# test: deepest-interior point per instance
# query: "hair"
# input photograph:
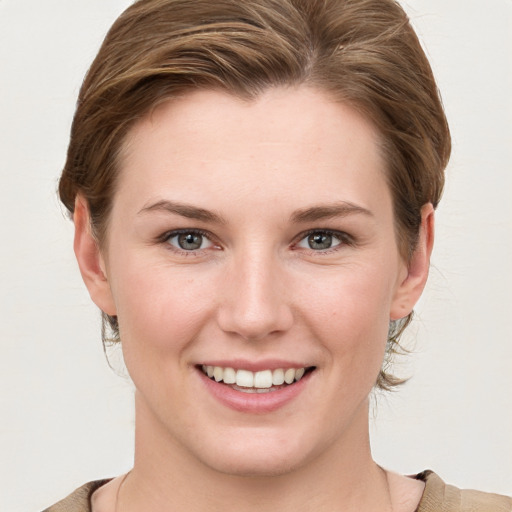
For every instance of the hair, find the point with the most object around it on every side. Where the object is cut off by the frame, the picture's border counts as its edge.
(363, 53)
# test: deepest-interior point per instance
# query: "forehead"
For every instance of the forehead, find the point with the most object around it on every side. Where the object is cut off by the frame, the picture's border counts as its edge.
(287, 139)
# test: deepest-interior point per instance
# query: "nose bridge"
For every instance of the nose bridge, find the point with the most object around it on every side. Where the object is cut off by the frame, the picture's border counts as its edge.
(256, 302)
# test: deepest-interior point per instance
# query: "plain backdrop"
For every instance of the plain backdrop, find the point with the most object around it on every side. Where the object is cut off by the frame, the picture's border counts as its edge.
(67, 418)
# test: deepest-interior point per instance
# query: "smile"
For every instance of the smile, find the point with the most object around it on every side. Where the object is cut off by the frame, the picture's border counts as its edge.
(247, 381)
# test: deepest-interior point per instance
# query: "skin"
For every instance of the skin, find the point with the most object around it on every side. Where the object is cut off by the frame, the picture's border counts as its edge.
(267, 171)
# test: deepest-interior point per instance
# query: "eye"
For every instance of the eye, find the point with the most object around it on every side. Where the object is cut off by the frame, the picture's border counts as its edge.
(189, 240)
(321, 240)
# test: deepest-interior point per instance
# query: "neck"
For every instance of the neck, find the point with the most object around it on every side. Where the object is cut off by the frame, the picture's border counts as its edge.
(344, 477)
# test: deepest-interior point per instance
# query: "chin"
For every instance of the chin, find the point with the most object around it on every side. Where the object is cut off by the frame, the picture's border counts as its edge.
(255, 465)
(254, 452)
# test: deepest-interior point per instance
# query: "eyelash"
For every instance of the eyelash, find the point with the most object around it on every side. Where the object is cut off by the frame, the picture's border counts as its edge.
(344, 240)
(167, 236)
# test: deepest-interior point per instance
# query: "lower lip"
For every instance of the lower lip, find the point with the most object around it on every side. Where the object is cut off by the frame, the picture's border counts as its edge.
(256, 403)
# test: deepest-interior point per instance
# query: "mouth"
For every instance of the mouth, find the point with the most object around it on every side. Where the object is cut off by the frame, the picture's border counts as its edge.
(264, 381)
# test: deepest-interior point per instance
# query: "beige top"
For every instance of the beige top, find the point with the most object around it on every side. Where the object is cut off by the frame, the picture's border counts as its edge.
(440, 497)
(437, 497)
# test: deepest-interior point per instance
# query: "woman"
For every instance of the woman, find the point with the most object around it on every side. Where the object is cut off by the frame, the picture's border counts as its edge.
(253, 187)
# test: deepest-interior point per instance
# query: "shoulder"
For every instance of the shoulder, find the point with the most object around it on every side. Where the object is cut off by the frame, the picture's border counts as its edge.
(440, 497)
(79, 500)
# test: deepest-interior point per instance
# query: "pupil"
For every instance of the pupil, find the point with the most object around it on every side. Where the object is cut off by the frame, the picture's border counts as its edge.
(320, 241)
(190, 241)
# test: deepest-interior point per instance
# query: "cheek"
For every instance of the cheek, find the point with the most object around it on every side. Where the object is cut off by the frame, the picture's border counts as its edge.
(351, 315)
(161, 314)
(158, 309)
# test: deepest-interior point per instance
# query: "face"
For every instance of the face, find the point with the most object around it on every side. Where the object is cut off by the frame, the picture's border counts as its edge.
(248, 240)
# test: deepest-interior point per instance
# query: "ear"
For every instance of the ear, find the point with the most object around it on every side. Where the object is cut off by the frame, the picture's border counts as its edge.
(411, 288)
(90, 260)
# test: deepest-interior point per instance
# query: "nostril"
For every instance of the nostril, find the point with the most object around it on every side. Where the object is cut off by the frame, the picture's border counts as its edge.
(255, 323)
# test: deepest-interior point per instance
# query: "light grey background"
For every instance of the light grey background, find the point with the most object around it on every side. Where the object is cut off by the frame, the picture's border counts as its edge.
(66, 418)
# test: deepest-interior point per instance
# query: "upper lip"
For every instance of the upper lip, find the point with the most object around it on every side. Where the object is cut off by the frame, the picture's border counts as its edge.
(255, 366)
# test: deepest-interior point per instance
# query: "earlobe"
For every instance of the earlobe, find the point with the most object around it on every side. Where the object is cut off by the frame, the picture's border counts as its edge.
(90, 260)
(411, 288)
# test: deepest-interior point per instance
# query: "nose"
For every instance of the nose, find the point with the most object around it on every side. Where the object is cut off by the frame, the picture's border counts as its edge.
(255, 301)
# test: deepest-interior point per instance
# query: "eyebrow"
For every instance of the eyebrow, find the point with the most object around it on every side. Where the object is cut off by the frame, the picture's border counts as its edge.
(185, 210)
(329, 211)
(310, 214)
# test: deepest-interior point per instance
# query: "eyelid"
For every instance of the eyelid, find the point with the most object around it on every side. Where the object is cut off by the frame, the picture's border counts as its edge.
(165, 237)
(344, 239)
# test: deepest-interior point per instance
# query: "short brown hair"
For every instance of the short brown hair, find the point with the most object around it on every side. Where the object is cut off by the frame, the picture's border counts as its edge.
(362, 52)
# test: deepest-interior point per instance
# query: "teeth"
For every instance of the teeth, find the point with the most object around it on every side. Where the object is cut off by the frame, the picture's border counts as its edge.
(245, 379)
(218, 373)
(289, 376)
(278, 377)
(261, 381)
(229, 376)
(299, 373)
